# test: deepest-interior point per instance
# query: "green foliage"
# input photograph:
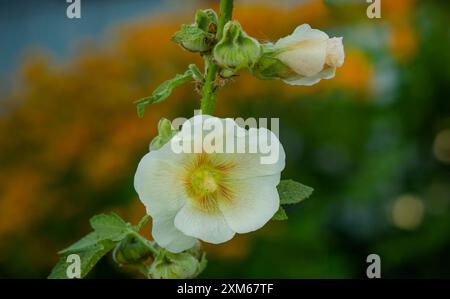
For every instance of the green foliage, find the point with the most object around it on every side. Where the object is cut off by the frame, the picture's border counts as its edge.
(110, 227)
(293, 192)
(163, 91)
(108, 231)
(280, 214)
(87, 241)
(196, 73)
(89, 256)
(290, 192)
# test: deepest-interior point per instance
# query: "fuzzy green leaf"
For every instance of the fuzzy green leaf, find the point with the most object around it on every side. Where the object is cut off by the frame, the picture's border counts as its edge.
(89, 256)
(293, 192)
(87, 241)
(204, 19)
(108, 231)
(110, 227)
(193, 39)
(280, 214)
(196, 73)
(163, 91)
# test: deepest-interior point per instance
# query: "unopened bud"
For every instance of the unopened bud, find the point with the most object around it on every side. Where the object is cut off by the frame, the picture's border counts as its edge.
(174, 266)
(206, 20)
(200, 35)
(236, 50)
(130, 251)
(302, 58)
(165, 133)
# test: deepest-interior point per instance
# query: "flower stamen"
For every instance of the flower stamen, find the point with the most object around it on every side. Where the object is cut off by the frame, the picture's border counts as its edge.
(206, 183)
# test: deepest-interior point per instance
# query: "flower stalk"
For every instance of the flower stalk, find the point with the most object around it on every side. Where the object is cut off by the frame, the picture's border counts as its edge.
(209, 90)
(146, 243)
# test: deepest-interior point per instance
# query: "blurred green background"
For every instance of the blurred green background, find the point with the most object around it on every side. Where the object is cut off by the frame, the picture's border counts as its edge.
(374, 141)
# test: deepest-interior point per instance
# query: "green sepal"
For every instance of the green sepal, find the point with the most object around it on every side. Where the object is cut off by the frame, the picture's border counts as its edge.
(165, 133)
(236, 50)
(200, 35)
(196, 74)
(131, 250)
(269, 67)
(169, 265)
(206, 20)
(193, 39)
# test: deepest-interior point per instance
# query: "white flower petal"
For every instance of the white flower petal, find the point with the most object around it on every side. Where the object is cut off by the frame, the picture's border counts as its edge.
(335, 52)
(310, 53)
(251, 178)
(268, 159)
(193, 136)
(158, 182)
(304, 81)
(302, 32)
(254, 203)
(327, 73)
(208, 227)
(305, 57)
(169, 237)
(305, 31)
(304, 51)
(193, 126)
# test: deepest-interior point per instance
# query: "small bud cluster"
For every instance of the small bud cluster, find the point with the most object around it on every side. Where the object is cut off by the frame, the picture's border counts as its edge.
(187, 264)
(302, 58)
(200, 35)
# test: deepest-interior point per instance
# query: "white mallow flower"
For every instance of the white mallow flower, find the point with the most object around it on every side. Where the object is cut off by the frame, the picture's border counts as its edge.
(311, 54)
(208, 195)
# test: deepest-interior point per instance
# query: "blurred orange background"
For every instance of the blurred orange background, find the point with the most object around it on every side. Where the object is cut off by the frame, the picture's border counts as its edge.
(70, 141)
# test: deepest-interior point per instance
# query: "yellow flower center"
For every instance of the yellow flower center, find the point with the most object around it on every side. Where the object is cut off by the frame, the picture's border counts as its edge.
(205, 180)
(206, 183)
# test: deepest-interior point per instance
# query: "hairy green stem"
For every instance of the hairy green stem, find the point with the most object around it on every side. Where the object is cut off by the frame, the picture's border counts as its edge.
(146, 243)
(209, 90)
(142, 222)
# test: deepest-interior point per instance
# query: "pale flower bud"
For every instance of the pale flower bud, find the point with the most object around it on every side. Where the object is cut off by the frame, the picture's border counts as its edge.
(302, 58)
(335, 52)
